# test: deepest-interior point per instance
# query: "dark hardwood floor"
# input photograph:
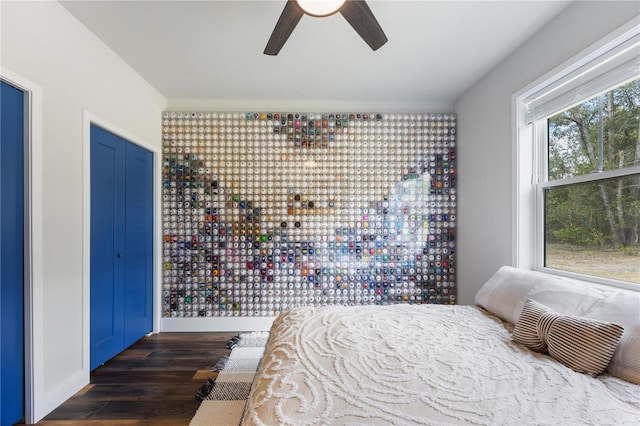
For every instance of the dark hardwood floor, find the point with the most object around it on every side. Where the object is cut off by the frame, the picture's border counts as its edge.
(153, 382)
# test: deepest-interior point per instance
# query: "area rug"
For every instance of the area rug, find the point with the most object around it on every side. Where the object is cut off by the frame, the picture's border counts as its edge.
(224, 399)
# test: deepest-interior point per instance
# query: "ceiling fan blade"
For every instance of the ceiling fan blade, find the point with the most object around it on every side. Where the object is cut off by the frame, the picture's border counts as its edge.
(358, 14)
(288, 20)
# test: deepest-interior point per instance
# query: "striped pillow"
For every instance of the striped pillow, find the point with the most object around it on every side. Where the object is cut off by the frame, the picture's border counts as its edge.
(582, 344)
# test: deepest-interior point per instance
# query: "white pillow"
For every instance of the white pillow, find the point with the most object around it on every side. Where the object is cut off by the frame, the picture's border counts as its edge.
(506, 291)
(623, 307)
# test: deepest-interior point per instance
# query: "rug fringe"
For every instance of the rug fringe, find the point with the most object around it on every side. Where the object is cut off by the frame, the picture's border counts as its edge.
(220, 364)
(249, 339)
(204, 390)
(233, 342)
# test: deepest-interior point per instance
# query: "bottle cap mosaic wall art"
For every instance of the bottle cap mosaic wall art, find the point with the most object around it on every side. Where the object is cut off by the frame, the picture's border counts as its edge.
(265, 211)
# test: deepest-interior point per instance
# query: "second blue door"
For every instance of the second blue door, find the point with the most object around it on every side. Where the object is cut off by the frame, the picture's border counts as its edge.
(121, 244)
(11, 254)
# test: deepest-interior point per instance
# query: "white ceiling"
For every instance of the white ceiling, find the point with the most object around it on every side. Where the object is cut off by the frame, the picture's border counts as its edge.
(200, 52)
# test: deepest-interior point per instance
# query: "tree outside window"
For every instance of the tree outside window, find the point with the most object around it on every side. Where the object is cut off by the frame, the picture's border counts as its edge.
(592, 191)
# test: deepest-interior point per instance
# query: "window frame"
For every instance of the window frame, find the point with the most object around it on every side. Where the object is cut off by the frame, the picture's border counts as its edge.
(530, 155)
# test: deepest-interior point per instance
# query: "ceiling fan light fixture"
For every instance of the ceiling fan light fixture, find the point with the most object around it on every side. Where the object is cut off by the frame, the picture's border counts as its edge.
(356, 13)
(320, 8)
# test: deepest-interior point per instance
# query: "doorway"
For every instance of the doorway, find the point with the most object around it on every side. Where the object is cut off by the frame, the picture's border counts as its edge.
(12, 231)
(121, 246)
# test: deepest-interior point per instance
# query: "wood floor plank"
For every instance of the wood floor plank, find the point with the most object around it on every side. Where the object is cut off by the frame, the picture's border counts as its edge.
(141, 376)
(119, 422)
(153, 382)
(201, 376)
(76, 409)
(118, 392)
(135, 354)
(148, 363)
(154, 409)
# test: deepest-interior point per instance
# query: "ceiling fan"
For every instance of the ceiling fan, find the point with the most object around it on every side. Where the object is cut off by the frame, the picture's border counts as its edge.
(356, 12)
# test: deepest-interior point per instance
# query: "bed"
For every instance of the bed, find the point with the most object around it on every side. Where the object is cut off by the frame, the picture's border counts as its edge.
(435, 364)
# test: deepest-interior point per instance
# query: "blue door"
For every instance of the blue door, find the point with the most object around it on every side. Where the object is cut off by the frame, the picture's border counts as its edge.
(138, 263)
(11, 254)
(121, 244)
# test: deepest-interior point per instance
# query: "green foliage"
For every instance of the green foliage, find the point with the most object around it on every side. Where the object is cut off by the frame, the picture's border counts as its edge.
(630, 250)
(596, 213)
(577, 236)
(573, 216)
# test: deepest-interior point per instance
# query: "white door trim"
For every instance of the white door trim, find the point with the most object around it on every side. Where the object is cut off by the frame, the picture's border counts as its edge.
(33, 246)
(88, 119)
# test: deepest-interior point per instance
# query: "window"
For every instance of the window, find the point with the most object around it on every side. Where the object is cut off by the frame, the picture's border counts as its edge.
(579, 141)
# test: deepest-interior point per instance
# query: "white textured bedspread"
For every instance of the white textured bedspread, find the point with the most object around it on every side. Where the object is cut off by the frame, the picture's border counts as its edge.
(421, 364)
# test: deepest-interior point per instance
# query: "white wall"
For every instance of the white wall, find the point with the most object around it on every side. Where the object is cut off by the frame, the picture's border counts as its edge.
(44, 44)
(485, 141)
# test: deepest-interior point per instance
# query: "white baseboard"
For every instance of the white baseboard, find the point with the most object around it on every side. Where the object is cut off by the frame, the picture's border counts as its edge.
(221, 324)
